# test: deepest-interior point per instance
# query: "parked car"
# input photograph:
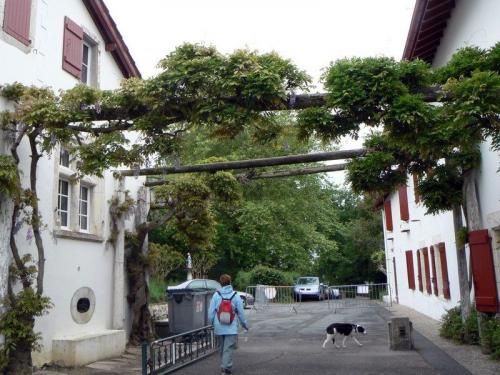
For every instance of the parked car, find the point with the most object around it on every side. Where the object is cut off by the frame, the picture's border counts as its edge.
(309, 287)
(207, 284)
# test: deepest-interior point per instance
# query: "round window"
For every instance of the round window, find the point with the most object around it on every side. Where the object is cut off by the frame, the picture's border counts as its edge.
(83, 305)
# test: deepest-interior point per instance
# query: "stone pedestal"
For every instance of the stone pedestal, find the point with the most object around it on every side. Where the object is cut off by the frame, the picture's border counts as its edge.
(400, 334)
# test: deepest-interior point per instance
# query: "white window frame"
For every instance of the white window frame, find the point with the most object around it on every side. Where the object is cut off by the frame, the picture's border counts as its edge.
(87, 214)
(68, 197)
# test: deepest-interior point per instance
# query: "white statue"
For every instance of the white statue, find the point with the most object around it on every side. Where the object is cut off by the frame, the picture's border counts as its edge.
(189, 261)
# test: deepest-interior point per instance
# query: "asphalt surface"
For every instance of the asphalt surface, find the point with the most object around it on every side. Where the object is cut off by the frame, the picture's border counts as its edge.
(282, 342)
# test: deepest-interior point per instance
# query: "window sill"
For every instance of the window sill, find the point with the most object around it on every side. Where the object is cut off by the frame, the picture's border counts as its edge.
(80, 236)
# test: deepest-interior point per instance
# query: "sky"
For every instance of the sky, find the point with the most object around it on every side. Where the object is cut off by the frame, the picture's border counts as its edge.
(312, 33)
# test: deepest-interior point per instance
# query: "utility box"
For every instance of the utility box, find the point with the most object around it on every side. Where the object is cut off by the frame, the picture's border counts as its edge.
(187, 310)
(400, 334)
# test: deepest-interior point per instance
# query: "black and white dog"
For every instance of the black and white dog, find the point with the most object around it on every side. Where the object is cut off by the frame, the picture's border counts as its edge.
(343, 329)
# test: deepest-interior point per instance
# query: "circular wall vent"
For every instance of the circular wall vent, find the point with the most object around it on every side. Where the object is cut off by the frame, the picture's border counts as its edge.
(83, 305)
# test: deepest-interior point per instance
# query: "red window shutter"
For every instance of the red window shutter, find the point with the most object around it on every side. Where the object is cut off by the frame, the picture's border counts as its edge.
(403, 203)
(419, 265)
(444, 270)
(388, 214)
(409, 269)
(427, 271)
(72, 48)
(434, 273)
(415, 191)
(483, 271)
(16, 21)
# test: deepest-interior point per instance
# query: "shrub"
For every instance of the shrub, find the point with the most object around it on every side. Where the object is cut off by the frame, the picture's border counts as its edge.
(453, 328)
(452, 325)
(269, 276)
(242, 280)
(472, 328)
(490, 337)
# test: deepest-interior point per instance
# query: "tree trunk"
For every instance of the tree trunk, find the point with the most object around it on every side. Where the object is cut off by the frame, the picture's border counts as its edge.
(138, 297)
(474, 222)
(471, 201)
(463, 274)
(20, 361)
(137, 271)
(6, 210)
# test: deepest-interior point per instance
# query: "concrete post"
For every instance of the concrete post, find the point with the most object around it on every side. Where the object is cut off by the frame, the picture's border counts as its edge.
(400, 334)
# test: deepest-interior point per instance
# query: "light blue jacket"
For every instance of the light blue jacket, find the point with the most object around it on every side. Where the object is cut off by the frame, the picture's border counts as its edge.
(226, 329)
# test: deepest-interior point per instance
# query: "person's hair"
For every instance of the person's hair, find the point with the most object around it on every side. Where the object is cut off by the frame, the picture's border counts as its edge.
(225, 280)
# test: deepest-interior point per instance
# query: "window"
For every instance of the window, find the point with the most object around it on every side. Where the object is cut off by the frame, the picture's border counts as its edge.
(388, 215)
(410, 270)
(64, 157)
(63, 203)
(444, 271)
(83, 212)
(211, 284)
(79, 53)
(86, 63)
(425, 254)
(16, 21)
(403, 203)
(72, 48)
(434, 277)
(419, 266)
(198, 284)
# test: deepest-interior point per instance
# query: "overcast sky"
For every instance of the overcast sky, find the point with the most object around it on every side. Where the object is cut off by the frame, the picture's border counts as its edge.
(312, 33)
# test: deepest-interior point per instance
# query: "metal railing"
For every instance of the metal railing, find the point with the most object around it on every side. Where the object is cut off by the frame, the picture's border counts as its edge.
(169, 354)
(332, 297)
(360, 295)
(267, 296)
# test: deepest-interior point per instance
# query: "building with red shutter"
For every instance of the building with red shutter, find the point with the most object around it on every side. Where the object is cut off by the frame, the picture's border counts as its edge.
(60, 44)
(420, 249)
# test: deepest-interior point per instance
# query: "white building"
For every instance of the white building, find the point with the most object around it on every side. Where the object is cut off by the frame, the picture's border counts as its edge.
(420, 249)
(60, 44)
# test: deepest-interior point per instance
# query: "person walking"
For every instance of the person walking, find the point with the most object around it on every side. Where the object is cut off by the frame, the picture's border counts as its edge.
(225, 306)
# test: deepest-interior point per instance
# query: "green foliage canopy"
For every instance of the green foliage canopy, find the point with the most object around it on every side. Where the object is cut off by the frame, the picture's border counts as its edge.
(436, 141)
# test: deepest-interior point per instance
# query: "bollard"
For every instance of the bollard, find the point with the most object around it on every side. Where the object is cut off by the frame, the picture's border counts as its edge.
(400, 334)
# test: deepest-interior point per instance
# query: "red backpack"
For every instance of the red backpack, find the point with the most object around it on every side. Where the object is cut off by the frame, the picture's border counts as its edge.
(225, 311)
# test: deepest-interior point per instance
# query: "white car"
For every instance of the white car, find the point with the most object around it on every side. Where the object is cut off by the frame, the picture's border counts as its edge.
(309, 287)
(207, 284)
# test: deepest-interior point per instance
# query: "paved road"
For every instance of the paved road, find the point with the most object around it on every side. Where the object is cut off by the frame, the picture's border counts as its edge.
(282, 342)
(286, 343)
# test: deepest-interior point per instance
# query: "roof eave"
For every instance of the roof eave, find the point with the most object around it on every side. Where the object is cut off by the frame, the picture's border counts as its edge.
(428, 23)
(112, 37)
